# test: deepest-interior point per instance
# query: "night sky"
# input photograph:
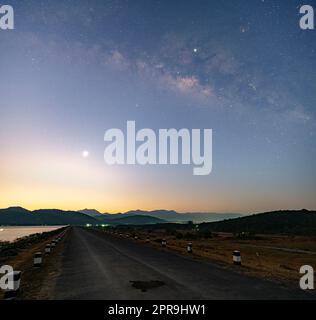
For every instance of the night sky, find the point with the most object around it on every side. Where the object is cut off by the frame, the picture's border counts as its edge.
(72, 69)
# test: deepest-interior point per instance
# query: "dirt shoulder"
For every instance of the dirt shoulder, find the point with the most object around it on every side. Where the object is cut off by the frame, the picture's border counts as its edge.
(37, 283)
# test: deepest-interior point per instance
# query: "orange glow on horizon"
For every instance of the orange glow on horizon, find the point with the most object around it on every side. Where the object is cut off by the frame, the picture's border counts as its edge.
(64, 180)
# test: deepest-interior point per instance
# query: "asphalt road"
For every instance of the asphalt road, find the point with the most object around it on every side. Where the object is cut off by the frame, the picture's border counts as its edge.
(100, 266)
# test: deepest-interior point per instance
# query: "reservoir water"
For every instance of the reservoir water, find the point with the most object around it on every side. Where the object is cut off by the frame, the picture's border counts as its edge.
(13, 233)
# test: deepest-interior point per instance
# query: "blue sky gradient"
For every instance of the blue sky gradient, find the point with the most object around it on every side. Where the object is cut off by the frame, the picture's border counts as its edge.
(77, 68)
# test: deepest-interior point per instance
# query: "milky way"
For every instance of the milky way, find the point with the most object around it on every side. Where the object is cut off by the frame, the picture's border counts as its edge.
(77, 68)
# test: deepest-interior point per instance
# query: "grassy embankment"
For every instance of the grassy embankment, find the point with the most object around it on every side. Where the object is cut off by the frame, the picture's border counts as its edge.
(19, 255)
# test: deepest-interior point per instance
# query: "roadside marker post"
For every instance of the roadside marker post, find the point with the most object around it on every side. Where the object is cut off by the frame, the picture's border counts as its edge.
(237, 258)
(164, 242)
(12, 293)
(38, 259)
(189, 247)
(47, 249)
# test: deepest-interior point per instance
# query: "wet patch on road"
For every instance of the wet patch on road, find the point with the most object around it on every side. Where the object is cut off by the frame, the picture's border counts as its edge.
(146, 285)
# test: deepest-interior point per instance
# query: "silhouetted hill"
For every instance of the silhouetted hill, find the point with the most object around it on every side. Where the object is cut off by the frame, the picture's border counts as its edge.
(161, 214)
(137, 220)
(294, 222)
(17, 216)
(92, 213)
(167, 215)
(199, 217)
(17, 209)
(173, 216)
(59, 217)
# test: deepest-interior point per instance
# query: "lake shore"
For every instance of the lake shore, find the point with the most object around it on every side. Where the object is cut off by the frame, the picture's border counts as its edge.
(13, 233)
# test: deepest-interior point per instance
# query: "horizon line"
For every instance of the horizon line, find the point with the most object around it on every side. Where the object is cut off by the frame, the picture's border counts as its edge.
(151, 210)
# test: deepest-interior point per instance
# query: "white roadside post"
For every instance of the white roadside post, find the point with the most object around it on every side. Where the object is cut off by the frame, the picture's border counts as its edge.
(164, 242)
(38, 259)
(237, 257)
(10, 294)
(47, 249)
(189, 247)
(52, 245)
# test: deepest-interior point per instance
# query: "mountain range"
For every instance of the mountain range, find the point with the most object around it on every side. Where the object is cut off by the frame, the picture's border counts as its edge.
(19, 216)
(293, 222)
(167, 215)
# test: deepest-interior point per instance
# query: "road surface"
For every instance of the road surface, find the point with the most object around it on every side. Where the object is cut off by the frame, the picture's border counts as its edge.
(100, 266)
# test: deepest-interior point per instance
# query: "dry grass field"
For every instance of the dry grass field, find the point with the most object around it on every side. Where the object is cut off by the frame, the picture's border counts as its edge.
(274, 257)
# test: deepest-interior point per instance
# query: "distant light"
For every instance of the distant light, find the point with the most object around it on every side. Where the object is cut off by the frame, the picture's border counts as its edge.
(195, 50)
(1, 230)
(88, 225)
(85, 154)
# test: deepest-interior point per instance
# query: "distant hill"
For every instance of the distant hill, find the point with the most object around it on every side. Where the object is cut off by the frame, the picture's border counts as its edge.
(198, 217)
(293, 222)
(136, 220)
(91, 212)
(167, 215)
(17, 216)
(157, 213)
